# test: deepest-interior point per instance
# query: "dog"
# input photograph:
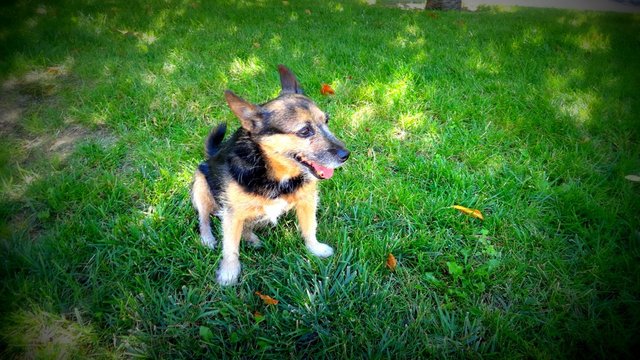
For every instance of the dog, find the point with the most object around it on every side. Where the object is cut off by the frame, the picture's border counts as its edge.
(270, 165)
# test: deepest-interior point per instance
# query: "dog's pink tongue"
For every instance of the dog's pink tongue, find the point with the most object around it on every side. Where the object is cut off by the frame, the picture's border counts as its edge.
(324, 172)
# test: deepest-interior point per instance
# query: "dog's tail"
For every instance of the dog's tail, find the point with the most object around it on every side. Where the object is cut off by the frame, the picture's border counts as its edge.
(212, 145)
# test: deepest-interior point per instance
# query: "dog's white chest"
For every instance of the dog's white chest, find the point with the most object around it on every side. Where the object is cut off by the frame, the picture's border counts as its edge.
(274, 209)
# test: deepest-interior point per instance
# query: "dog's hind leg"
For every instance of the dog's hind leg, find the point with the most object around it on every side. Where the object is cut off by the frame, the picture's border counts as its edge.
(205, 205)
(249, 236)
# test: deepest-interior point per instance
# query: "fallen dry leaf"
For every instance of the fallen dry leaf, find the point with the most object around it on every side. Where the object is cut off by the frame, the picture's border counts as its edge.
(258, 317)
(471, 212)
(392, 262)
(268, 300)
(326, 90)
(634, 178)
(307, 11)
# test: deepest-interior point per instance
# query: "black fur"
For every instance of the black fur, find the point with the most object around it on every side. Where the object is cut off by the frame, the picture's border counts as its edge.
(212, 145)
(248, 167)
(241, 156)
(214, 181)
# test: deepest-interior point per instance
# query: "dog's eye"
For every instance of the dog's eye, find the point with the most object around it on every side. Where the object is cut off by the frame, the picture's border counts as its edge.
(305, 132)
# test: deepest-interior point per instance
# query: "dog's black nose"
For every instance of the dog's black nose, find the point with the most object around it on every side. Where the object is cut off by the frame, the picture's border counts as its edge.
(343, 154)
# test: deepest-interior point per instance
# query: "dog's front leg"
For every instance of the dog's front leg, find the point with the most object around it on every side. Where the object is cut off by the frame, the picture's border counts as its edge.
(306, 211)
(230, 265)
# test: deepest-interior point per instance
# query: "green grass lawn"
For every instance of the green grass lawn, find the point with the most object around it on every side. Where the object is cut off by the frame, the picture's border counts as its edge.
(530, 116)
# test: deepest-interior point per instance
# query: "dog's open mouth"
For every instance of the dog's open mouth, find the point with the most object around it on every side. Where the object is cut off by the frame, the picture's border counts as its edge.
(316, 169)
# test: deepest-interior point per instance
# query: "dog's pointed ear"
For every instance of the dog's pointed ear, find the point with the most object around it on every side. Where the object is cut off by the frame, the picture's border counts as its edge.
(290, 84)
(250, 115)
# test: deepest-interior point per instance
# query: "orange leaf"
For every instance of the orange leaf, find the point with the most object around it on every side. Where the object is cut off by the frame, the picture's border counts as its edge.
(392, 262)
(471, 212)
(268, 300)
(257, 314)
(326, 90)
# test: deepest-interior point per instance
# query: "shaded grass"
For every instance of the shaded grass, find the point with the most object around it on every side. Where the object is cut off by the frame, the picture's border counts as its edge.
(528, 116)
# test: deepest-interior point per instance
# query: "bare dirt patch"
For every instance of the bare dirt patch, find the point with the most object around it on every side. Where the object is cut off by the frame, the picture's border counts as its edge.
(25, 154)
(19, 96)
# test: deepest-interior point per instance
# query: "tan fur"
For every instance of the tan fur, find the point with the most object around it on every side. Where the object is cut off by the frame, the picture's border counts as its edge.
(201, 192)
(281, 169)
(205, 204)
(252, 207)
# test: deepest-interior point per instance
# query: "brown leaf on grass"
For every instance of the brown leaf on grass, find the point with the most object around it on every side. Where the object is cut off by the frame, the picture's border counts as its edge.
(471, 212)
(307, 11)
(268, 300)
(391, 262)
(256, 45)
(634, 178)
(258, 317)
(326, 90)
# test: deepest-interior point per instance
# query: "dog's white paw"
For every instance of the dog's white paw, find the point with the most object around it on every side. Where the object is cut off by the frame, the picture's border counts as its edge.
(321, 250)
(229, 272)
(209, 241)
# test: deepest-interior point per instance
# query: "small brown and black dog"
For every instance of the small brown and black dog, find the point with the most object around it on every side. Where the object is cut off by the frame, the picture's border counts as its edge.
(269, 166)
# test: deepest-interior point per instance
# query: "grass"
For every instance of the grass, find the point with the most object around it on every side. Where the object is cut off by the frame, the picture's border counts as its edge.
(528, 115)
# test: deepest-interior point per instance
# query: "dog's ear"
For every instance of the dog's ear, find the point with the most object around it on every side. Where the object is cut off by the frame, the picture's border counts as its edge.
(290, 84)
(250, 115)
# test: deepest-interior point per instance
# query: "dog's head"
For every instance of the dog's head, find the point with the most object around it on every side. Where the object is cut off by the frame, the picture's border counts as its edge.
(291, 128)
